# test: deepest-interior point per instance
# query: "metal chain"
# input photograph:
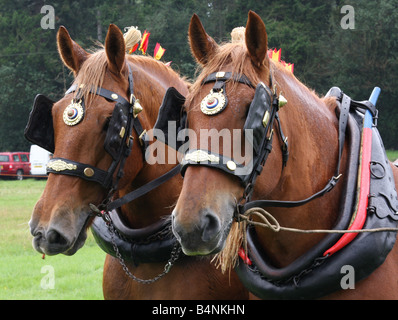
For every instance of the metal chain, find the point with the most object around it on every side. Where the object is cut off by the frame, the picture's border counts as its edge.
(175, 254)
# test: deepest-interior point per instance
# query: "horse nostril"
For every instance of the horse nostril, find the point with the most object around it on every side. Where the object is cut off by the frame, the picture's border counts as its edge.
(53, 237)
(211, 226)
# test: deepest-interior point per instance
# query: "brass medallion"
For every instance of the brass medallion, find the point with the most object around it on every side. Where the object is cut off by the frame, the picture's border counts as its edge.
(73, 113)
(213, 103)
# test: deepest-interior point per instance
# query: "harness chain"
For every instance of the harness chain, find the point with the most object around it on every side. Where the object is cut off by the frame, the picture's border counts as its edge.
(175, 254)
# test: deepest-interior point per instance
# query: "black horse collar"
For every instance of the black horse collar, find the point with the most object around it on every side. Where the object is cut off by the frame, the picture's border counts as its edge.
(315, 273)
(151, 244)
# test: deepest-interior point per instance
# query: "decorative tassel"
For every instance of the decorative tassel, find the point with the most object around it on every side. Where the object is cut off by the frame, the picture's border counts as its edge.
(228, 257)
(131, 37)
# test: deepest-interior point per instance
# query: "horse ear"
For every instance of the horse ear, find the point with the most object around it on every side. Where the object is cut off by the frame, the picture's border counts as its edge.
(202, 45)
(256, 39)
(115, 49)
(71, 53)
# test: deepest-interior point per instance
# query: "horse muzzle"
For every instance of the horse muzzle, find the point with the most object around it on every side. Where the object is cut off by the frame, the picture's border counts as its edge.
(207, 236)
(57, 238)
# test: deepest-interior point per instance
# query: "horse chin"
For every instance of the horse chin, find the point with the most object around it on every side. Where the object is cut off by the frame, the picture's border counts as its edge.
(80, 241)
(217, 244)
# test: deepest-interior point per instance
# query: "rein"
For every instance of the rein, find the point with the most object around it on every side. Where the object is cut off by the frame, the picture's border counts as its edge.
(269, 221)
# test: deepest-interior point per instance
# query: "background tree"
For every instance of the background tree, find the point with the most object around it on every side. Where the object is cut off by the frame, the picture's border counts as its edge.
(309, 33)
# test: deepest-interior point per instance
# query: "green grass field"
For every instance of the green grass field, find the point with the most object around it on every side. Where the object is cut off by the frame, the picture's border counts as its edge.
(23, 272)
(392, 154)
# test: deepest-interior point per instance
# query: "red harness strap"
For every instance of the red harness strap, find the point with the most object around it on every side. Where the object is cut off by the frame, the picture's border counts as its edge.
(364, 184)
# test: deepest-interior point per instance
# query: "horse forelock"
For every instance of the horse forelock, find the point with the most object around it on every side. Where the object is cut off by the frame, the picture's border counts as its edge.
(231, 57)
(93, 72)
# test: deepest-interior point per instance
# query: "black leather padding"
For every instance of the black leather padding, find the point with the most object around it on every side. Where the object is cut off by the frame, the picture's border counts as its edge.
(171, 110)
(114, 139)
(39, 129)
(133, 244)
(260, 104)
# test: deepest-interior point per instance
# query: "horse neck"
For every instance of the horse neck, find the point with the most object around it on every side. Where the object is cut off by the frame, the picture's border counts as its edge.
(151, 80)
(311, 127)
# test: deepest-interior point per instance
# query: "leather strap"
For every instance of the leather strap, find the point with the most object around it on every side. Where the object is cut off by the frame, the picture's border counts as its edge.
(345, 103)
(77, 169)
(144, 189)
(224, 76)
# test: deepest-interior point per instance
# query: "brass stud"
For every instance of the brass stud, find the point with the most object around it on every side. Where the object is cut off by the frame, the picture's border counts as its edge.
(266, 118)
(122, 132)
(282, 101)
(137, 108)
(88, 172)
(114, 96)
(231, 165)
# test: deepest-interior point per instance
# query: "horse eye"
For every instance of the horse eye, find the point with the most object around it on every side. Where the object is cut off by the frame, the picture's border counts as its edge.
(247, 110)
(106, 125)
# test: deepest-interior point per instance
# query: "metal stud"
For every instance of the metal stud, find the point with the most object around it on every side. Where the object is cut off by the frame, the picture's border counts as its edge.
(282, 101)
(266, 118)
(137, 108)
(231, 165)
(88, 172)
(122, 132)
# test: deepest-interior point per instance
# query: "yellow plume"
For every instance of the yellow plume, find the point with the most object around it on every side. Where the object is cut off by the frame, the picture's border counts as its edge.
(131, 37)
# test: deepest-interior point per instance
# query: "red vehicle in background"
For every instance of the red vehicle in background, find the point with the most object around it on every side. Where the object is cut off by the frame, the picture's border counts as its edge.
(14, 164)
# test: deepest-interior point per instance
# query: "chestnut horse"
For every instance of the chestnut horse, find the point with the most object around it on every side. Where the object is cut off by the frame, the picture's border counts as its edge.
(207, 205)
(62, 215)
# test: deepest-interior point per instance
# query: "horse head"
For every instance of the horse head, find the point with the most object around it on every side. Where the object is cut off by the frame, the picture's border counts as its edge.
(219, 103)
(92, 136)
